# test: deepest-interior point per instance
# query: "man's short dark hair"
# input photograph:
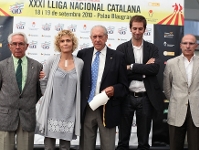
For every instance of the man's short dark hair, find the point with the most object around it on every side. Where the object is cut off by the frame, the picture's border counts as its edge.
(138, 18)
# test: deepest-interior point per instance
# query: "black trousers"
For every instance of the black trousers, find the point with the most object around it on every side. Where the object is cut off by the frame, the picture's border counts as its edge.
(177, 134)
(144, 111)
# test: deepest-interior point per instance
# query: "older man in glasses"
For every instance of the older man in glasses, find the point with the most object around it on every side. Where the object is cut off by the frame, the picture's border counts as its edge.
(19, 92)
(181, 87)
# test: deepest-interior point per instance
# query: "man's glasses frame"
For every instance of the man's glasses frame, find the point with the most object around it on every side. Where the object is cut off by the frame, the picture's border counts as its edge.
(190, 43)
(20, 44)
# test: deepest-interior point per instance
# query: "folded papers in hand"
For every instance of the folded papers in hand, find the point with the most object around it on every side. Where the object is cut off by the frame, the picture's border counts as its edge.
(98, 100)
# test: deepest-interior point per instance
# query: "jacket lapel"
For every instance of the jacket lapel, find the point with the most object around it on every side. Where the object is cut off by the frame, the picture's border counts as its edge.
(30, 71)
(145, 53)
(77, 67)
(88, 62)
(108, 63)
(130, 53)
(182, 68)
(195, 68)
(11, 72)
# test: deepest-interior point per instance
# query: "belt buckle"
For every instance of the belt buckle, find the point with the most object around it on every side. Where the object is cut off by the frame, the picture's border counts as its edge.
(135, 95)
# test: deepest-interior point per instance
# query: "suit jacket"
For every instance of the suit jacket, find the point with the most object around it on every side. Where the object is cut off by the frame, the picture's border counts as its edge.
(178, 92)
(146, 73)
(15, 106)
(114, 75)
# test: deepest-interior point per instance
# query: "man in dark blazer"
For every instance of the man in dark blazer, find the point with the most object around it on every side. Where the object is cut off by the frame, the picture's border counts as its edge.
(112, 78)
(145, 95)
(17, 101)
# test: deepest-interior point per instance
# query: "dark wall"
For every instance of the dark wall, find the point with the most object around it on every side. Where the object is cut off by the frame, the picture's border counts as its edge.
(6, 27)
(167, 39)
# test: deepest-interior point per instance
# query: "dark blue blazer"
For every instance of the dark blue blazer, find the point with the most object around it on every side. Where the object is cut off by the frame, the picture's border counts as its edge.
(115, 75)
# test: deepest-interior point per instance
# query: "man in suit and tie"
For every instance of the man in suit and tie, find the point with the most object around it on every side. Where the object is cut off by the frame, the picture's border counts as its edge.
(181, 88)
(19, 92)
(111, 78)
(145, 95)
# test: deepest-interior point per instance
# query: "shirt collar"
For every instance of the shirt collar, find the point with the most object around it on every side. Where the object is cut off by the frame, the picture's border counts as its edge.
(141, 46)
(103, 51)
(192, 58)
(16, 59)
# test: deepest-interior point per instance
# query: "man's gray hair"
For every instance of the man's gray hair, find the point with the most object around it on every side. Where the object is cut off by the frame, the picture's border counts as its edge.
(17, 33)
(101, 26)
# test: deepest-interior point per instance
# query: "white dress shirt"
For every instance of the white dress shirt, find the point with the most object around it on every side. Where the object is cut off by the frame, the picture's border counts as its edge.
(102, 59)
(137, 86)
(189, 68)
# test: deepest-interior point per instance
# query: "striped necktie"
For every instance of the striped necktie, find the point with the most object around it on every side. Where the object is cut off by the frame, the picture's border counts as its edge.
(19, 75)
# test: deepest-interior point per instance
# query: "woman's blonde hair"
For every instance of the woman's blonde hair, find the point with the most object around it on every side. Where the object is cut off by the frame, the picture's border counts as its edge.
(68, 33)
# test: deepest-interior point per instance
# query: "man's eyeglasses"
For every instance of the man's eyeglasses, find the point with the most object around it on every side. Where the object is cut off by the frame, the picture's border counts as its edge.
(190, 43)
(14, 44)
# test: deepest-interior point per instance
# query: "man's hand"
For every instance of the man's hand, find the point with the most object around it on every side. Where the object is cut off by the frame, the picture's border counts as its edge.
(128, 67)
(151, 61)
(109, 91)
(41, 75)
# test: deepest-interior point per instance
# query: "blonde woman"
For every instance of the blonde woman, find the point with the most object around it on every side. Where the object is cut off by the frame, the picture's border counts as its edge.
(60, 86)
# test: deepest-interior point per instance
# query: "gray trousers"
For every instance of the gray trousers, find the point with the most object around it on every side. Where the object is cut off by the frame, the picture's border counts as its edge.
(50, 144)
(93, 122)
(177, 134)
(24, 140)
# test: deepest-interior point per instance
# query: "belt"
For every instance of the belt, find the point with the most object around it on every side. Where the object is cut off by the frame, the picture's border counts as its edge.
(139, 94)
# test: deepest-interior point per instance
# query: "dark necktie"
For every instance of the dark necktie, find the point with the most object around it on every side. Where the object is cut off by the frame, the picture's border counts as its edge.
(19, 75)
(94, 74)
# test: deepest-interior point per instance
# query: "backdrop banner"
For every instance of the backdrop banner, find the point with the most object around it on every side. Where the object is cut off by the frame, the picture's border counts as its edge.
(41, 20)
(167, 39)
(6, 27)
